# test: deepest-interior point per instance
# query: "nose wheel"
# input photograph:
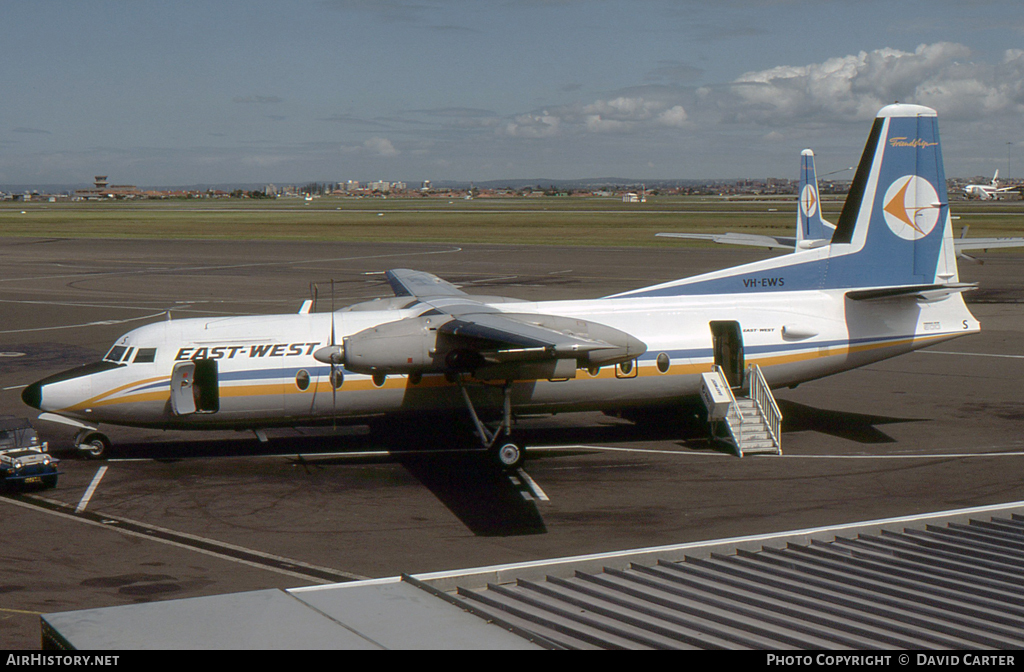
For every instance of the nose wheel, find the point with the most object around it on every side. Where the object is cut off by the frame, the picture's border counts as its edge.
(95, 445)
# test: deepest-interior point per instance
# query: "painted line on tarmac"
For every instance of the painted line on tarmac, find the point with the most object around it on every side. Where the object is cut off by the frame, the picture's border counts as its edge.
(969, 354)
(688, 453)
(228, 267)
(91, 490)
(218, 549)
(21, 611)
(923, 456)
(618, 449)
(99, 323)
(532, 485)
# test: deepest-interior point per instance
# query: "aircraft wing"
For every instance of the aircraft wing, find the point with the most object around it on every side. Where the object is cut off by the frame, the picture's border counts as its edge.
(515, 336)
(461, 333)
(775, 242)
(422, 285)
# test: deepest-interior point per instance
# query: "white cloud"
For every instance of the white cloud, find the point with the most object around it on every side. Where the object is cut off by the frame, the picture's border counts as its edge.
(623, 108)
(855, 87)
(674, 116)
(619, 114)
(380, 147)
(543, 125)
(595, 123)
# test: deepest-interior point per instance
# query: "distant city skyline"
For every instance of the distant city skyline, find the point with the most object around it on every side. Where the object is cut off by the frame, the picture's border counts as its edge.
(456, 91)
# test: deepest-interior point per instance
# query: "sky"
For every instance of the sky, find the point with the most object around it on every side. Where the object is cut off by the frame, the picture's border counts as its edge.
(185, 92)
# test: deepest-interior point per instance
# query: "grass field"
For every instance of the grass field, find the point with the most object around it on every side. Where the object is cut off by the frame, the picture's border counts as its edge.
(536, 220)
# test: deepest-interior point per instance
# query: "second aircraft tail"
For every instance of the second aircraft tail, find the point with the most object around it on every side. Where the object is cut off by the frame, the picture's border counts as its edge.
(809, 224)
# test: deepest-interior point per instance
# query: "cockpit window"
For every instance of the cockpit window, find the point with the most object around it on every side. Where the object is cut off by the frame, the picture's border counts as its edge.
(145, 356)
(115, 354)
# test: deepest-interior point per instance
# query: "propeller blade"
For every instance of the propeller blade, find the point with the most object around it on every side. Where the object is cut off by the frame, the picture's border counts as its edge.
(334, 355)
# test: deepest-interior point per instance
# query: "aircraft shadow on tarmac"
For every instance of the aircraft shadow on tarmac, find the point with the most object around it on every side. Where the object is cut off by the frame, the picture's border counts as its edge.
(851, 426)
(487, 501)
(465, 480)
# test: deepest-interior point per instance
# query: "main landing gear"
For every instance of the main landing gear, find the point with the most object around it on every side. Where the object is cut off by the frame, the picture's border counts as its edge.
(506, 452)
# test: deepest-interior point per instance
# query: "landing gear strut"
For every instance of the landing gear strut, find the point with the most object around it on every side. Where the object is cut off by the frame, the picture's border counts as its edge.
(508, 453)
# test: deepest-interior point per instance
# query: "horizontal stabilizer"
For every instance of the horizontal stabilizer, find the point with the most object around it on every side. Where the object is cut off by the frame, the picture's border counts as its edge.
(754, 240)
(918, 292)
(987, 243)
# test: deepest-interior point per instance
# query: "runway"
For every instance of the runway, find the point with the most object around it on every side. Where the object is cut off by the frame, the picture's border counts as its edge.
(179, 515)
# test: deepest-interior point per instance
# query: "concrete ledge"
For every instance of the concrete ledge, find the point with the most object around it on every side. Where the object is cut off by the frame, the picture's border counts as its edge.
(565, 567)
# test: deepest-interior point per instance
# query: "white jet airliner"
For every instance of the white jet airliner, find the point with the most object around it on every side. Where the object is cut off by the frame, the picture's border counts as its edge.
(988, 191)
(886, 284)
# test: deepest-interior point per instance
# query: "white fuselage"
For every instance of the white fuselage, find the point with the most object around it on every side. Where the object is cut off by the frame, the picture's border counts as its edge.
(267, 375)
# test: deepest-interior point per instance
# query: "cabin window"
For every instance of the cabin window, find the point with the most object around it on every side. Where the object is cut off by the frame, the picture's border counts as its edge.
(663, 362)
(145, 356)
(302, 380)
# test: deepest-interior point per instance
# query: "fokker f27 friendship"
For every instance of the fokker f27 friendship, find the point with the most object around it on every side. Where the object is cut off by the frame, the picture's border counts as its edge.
(885, 284)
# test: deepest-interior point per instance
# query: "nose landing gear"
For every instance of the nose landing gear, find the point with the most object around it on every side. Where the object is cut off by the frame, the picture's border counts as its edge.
(94, 444)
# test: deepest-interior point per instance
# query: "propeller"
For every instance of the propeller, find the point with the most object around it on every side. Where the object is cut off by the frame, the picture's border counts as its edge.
(334, 355)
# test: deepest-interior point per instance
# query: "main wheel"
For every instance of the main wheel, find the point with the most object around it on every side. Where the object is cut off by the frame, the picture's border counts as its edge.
(510, 455)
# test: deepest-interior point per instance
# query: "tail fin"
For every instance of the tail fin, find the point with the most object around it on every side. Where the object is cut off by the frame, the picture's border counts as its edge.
(894, 230)
(995, 179)
(809, 224)
(895, 227)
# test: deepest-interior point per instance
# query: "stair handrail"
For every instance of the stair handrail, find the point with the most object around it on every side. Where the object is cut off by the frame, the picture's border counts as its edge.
(761, 394)
(737, 437)
(732, 397)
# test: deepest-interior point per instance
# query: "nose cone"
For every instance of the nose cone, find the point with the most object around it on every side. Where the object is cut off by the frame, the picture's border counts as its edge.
(33, 395)
(65, 389)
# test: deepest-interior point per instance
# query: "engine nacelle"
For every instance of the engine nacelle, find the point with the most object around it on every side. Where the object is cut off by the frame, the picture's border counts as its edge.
(404, 346)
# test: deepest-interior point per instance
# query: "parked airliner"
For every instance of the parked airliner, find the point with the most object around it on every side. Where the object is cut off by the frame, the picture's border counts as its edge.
(988, 191)
(885, 284)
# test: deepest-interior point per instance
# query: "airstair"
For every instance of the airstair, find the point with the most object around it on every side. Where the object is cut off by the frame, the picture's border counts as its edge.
(752, 424)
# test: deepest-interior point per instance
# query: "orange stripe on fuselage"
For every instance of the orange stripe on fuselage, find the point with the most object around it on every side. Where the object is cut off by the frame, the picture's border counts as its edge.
(439, 381)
